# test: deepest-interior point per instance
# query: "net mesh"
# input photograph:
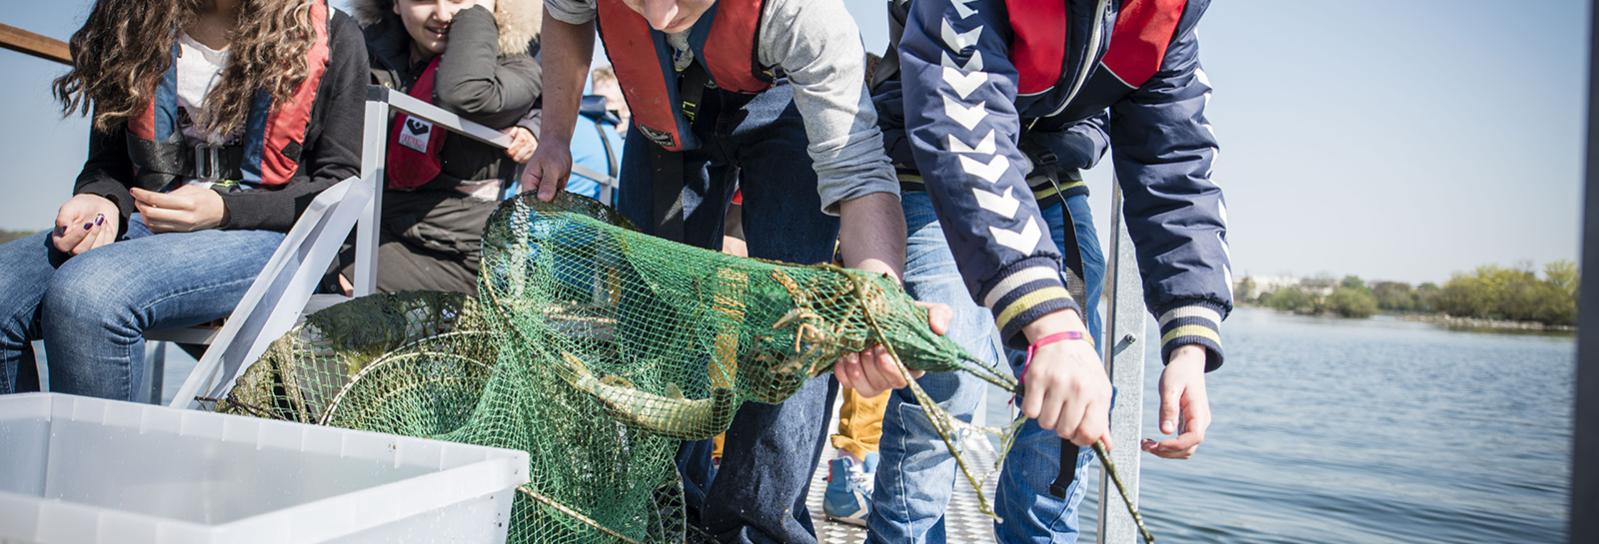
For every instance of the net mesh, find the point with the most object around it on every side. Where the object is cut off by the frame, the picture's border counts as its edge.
(597, 350)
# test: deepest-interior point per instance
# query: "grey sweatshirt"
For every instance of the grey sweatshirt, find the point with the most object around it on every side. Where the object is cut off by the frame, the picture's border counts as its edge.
(818, 46)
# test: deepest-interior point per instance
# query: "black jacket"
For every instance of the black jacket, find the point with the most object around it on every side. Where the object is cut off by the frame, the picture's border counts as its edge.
(331, 150)
(497, 94)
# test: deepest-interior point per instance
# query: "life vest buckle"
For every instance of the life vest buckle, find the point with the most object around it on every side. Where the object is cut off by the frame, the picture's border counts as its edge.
(208, 163)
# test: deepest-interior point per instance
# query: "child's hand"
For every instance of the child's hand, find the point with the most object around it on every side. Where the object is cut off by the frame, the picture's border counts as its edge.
(83, 223)
(188, 209)
(1065, 387)
(1184, 405)
(522, 144)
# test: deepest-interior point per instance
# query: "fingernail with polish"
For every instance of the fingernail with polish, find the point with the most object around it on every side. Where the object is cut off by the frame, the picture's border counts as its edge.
(99, 218)
(87, 226)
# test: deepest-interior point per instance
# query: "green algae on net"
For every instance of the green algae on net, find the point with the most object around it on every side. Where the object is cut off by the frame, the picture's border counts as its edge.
(596, 349)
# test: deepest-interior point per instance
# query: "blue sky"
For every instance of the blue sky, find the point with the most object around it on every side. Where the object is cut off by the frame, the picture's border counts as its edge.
(1401, 140)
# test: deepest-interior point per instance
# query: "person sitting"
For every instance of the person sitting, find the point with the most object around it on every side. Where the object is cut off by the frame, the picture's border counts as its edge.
(603, 83)
(473, 58)
(596, 151)
(215, 124)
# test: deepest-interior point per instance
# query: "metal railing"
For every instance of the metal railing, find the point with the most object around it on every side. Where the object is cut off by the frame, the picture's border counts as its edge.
(213, 378)
(1125, 321)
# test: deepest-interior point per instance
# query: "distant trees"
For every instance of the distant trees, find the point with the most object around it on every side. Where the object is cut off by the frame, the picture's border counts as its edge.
(9, 235)
(1515, 294)
(1394, 296)
(1245, 290)
(1343, 300)
(1489, 292)
(1291, 299)
(1351, 301)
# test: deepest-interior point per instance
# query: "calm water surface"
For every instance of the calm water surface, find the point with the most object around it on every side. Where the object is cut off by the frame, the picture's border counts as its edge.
(1373, 430)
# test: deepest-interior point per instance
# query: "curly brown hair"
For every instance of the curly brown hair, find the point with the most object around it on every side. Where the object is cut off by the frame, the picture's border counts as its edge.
(125, 47)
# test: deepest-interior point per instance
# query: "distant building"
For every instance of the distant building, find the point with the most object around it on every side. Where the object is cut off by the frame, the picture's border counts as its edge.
(1264, 285)
(1267, 284)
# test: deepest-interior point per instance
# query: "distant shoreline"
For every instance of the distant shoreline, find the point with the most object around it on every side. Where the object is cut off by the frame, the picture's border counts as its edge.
(1447, 321)
(1492, 325)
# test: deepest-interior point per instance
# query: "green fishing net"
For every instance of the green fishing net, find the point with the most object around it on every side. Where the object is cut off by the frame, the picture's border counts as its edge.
(597, 350)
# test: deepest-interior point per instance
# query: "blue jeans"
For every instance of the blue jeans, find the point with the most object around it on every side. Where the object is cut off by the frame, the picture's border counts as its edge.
(757, 144)
(92, 310)
(917, 475)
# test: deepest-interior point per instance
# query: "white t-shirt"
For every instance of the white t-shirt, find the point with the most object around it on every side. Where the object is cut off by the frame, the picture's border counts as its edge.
(199, 69)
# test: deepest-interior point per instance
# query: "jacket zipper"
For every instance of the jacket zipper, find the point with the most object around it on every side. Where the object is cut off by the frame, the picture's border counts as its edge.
(1088, 60)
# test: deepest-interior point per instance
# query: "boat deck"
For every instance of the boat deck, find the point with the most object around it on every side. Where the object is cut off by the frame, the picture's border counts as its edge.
(963, 523)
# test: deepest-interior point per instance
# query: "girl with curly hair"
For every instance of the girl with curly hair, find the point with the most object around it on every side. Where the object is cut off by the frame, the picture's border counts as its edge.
(215, 123)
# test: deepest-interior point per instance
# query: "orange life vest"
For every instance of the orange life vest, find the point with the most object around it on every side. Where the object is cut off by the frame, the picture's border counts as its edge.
(644, 66)
(273, 133)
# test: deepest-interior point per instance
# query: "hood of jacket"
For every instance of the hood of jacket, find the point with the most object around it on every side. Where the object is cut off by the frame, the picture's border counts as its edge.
(518, 20)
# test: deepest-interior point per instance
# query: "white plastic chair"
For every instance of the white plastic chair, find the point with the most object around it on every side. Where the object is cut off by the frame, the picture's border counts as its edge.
(282, 294)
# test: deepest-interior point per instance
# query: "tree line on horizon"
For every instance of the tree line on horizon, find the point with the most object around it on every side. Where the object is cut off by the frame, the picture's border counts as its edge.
(1513, 293)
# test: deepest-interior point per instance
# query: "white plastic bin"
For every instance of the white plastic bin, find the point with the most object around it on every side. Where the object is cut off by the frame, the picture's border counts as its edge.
(76, 469)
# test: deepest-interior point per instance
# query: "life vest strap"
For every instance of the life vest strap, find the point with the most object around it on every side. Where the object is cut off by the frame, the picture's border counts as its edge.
(691, 88)
(667, 204)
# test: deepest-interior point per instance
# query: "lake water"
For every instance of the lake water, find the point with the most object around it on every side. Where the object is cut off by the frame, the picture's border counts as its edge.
(1375, 430)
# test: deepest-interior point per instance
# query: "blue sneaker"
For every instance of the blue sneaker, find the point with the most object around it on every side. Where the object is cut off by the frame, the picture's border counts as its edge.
(848, 497)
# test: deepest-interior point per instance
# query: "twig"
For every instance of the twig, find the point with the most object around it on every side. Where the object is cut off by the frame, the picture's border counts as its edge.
(1115, 478)
(935, 414)
(574, 514)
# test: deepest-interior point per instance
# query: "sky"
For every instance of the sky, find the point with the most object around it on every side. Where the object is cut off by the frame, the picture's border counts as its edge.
(1391, 140)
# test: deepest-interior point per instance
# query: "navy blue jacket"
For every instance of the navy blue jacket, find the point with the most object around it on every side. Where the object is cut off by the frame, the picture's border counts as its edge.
(954, 116)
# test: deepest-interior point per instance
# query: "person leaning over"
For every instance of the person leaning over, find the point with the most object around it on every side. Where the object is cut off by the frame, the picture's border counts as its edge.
(1002, 99)
(778, 108)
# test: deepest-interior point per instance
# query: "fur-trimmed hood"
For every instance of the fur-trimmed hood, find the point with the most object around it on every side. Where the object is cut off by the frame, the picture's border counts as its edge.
(518, 20)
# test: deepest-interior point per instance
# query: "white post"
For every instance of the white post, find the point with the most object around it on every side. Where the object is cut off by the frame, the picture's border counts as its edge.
(1124, 361)
(374, 147)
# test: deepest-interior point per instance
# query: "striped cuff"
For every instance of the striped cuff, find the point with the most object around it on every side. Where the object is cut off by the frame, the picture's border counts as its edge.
(1023, 292)
(1193, 324)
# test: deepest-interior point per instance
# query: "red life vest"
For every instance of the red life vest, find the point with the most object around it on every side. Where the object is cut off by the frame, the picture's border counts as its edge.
(273, 133)
(1143, 31)
(414, 144)
(643, 63)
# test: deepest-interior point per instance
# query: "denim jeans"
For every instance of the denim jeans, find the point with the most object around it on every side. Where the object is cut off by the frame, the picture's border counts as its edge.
(757, 144)
(92, 310)
(1031, 513)
(917, 475)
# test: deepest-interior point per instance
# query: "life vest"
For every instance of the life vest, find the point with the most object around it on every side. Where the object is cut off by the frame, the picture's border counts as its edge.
(273, 133)
(414, 144)
(1138, 42)
(643, 63)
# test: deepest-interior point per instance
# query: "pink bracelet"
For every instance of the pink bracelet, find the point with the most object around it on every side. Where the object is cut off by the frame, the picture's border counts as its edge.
(1047, 340)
